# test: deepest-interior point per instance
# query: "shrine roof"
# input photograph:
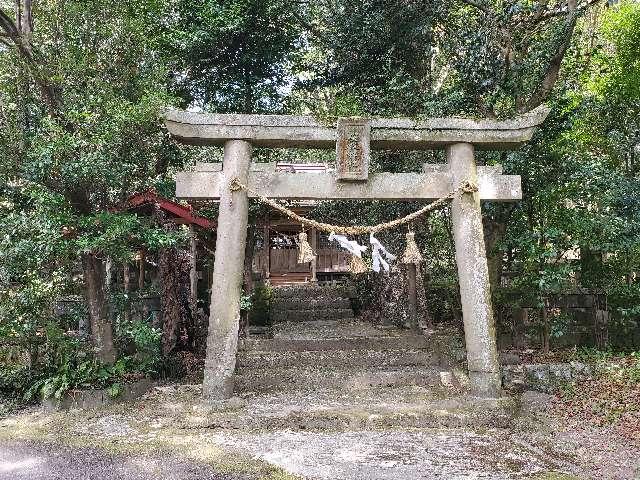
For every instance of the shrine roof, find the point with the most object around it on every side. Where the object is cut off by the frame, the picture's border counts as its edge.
(183, 212)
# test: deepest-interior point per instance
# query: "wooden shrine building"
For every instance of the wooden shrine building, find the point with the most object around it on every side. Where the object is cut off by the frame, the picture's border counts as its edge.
(276, 252)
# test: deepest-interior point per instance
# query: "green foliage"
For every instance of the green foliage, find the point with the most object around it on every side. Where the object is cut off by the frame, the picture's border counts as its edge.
(145, 341)
(372, 56)
(80, 132)
(593, 355)
(577, 226)
(260, 307)
(114, 390)
(245, 302)
(618, 66)
(232, 56)
(66, 363)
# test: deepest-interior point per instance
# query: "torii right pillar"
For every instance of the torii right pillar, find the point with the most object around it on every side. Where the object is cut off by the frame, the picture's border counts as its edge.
(473, 275)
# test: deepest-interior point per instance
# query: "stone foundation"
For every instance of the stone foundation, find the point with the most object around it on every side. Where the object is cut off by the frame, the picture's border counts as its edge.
(546, 378)
(96, 398)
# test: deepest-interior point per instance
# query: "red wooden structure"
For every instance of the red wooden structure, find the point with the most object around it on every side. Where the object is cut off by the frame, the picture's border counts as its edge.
(182, 213)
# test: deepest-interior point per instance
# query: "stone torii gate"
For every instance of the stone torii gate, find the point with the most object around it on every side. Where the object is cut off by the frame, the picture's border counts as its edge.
(352, 138)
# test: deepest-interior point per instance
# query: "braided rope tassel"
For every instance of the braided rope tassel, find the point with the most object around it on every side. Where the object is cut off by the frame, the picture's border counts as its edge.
(305, 252)
(411, 252)
(357, 265)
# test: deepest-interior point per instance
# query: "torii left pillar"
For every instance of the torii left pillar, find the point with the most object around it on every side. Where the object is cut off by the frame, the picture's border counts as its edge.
(226, 287)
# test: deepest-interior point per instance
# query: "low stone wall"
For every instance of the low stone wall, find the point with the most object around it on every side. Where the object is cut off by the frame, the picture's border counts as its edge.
(96, 398)
(546, 378)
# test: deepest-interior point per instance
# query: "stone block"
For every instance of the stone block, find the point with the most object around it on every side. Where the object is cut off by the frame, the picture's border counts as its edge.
(580, 371)
(462, 377)
(352, 148)
(322, 185)
(513, 377)
(559, 373)
(537, 377)
(286, 131)
(255, 360)
(305, 315)
(95, 398)
(507, 358)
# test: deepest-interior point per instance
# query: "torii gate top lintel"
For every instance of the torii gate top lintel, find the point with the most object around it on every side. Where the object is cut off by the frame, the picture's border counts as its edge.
(299, 131)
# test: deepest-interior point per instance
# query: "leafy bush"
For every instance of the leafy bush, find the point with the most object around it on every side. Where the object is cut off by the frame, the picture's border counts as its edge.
(145, 342)
(260, 304)
(66, 362)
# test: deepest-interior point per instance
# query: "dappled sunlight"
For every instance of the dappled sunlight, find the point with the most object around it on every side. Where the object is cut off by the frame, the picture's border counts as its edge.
(29, 463)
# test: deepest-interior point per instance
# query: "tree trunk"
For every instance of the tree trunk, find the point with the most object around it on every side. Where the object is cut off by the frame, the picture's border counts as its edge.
(544, 316)
(520, 319)
(126, 283)
(101, 328)
(422, 283)
(175, 266)
(412, 296)
(193, 272)
(493, 234)
(247, 275)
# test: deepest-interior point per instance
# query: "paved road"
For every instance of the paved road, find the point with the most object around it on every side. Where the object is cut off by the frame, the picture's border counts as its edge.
(35, 461)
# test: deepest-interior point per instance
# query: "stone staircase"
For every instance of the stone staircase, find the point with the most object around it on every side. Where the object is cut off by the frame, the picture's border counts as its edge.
(317, 343)
(320, 368)
(311, 302)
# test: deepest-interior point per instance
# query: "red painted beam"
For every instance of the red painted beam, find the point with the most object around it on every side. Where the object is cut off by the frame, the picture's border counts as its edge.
(182, 211)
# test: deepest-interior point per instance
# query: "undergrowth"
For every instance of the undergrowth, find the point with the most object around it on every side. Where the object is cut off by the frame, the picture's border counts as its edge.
(611, 398)
(66, 362)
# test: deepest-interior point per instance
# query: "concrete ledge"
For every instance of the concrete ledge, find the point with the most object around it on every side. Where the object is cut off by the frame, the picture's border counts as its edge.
(96, 398)
(341, 379)
(378, 343)
(323, 185)
(258, 360)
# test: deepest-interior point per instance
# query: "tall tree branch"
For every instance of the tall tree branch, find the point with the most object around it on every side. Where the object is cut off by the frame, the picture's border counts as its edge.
(552, 72)
(20, 32)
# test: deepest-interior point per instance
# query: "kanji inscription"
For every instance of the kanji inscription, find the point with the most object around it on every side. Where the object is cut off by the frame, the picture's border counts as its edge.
(352, 148)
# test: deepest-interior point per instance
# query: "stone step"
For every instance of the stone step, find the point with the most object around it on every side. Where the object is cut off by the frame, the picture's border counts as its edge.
(294, 303)
(347, 379)
(368, 409)
(341, 328)
(311, 315)
(256, 360)
(289, 279)
(312, 291)
(331, 411)
(392, 342)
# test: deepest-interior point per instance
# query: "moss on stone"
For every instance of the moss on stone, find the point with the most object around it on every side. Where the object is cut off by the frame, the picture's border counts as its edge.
(556, 476)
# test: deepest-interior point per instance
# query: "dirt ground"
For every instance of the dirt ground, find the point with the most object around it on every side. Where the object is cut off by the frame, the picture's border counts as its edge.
(170, 432)
(33, 460)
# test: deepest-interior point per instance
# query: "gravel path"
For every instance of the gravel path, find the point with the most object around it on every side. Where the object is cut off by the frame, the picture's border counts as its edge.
(26, 460)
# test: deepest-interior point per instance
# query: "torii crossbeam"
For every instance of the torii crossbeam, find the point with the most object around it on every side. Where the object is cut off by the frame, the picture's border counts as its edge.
(352, 138)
